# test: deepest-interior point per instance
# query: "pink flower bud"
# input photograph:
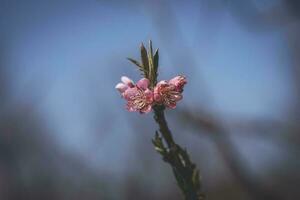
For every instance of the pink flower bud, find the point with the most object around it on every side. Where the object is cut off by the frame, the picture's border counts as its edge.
(121, 87)
(127, 81)
(143, 83)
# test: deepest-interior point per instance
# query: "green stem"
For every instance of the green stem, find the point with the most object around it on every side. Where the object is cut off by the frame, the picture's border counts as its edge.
(159, 117)
(185, 172)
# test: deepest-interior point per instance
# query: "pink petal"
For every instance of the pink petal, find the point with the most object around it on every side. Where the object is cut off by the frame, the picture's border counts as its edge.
(163, 82)
(130, 92)
(179, 82)
(172, 105)
(121, 87)
(143, 83)
(130, 108)
(127, 81)
(157, 97)
(149, 96)
(174, 80)
(157, 91)
(177, 79)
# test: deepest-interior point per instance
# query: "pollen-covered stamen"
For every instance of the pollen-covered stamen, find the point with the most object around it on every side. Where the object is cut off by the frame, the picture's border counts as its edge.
(139, 100)
(139, 103)
(170, 96)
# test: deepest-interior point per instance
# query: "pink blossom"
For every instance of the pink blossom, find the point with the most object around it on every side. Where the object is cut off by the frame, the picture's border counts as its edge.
(139, 97)
(167, 94)
(179, 82)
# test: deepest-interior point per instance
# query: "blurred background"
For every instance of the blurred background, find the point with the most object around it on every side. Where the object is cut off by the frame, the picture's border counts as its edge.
(64, 132)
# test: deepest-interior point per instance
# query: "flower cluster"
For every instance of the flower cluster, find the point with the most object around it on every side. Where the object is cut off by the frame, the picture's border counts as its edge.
(141, 98)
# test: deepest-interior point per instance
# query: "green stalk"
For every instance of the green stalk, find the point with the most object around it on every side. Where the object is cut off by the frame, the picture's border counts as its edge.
(185, 172)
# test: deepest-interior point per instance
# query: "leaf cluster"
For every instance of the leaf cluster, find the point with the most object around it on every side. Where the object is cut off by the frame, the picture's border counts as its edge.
(149, 63)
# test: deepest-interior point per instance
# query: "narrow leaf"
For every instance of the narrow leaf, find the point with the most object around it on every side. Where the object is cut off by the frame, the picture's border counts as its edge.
(151, 66)
(159, 145)
(195, 178)
(140, 67)
(135, 62)
(155, 63)
(150, 48)
(145, 61)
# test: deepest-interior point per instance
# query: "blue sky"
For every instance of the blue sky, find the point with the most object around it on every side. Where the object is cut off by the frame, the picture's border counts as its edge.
(70, 55)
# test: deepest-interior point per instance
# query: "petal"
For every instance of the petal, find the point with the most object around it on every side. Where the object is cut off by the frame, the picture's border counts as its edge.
(179, 82)
(157, 97)
(160, 83)
(127, 81)
(172, 105)
(174, 80)
(149, 96)
(143, 83)
(130, 108)
(121, 87)
(130, 92)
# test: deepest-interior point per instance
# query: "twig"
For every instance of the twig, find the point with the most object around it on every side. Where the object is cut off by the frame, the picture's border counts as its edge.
(185, 172)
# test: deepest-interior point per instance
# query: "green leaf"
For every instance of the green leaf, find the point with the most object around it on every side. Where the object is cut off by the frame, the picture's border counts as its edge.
(145, 61)
(139, 65)
(159, 145)
(184, 155)
(155, 63)
(135, 62)
(151, 66)
(196, 178)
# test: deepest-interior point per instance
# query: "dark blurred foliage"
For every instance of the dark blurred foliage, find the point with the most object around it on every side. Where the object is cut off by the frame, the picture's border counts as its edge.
(34, 166)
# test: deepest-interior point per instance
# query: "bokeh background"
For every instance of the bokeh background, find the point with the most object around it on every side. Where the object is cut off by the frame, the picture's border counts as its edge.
(64, 132)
